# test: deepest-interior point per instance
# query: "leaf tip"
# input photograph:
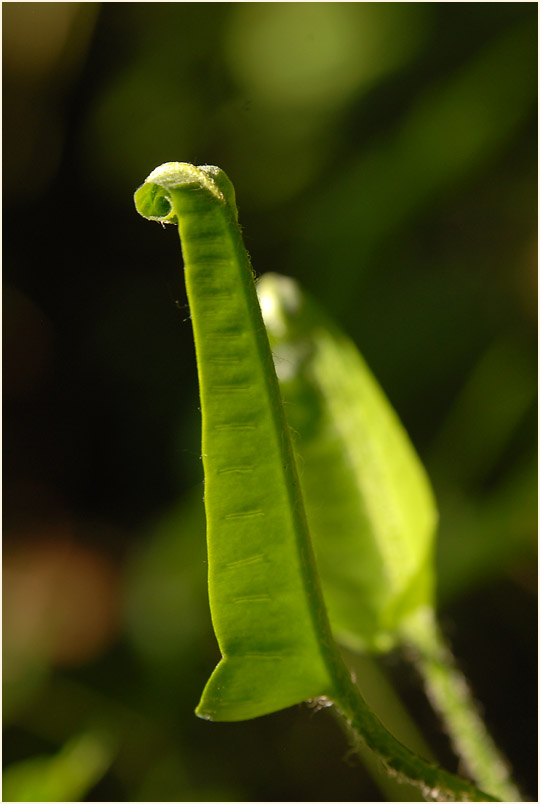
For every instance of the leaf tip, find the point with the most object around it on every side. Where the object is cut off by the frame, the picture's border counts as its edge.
(153, 199)
(203, 714)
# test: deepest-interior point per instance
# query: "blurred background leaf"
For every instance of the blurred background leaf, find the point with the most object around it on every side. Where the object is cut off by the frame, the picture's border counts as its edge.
(64, 777)
(384, 155)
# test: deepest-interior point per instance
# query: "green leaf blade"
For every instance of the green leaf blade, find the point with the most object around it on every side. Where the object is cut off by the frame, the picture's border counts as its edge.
(266, 605)
(369, 504)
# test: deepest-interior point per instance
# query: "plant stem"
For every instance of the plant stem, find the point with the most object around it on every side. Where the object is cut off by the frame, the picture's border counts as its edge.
(435, 783)
(382, 698)
(452, 698)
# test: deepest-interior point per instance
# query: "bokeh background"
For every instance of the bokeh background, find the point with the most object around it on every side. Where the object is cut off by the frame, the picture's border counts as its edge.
(384, 154)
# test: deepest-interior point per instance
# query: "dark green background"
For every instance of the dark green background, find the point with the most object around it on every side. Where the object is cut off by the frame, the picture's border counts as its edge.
(384, 154)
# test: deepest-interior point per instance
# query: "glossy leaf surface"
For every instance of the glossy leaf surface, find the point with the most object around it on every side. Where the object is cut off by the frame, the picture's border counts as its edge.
(369, 504)
(266, 606)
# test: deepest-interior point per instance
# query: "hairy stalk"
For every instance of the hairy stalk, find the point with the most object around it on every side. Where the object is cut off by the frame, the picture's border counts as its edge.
(434, 783)
(452, 698)
(382, 698)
